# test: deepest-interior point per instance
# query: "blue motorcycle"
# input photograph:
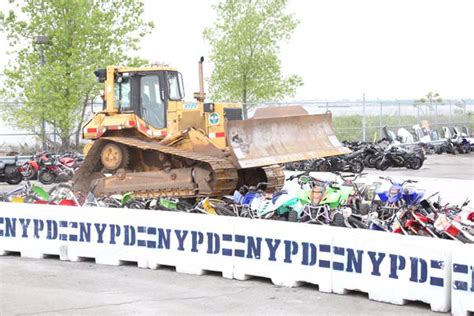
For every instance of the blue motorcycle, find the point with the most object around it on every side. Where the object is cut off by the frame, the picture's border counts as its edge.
(391, 201)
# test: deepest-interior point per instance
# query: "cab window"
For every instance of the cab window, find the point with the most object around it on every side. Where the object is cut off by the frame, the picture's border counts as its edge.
(175, 86)
(122, 94)
(153, 109)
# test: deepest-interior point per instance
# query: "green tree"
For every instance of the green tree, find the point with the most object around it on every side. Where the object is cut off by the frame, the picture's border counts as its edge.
(245, 43)
(84, 35)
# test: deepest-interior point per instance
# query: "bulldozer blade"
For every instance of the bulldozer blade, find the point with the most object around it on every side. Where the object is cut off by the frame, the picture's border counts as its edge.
(276, 140)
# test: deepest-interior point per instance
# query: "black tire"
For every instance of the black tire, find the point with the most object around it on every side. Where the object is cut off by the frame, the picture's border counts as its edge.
(382, 164)
(357, 166)
(338, 220)
(46, 177)
(369, 161)
(12, 175)
(34, 176)
(414, 163)
(293, 216)
(222, 210)
(137, 205)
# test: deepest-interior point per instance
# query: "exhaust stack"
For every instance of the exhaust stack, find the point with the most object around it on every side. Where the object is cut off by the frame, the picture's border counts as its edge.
(200, 96)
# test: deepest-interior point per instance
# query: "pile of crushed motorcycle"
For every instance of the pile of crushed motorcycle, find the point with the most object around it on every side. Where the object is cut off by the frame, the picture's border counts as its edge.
(402, 208)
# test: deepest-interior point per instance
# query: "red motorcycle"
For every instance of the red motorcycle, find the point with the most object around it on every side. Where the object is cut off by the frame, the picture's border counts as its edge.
(29, 169)
(56, 169)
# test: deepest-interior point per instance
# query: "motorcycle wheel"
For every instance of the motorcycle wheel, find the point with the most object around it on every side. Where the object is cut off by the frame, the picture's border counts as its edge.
(338, 220)
(369, 161)
(382, 165)
(357, 167)
(414, 163)
(12, 175)
(136, 205)
(46, 177)
(293, 216)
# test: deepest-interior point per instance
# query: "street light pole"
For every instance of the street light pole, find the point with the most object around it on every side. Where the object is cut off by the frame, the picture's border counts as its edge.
(41, 40)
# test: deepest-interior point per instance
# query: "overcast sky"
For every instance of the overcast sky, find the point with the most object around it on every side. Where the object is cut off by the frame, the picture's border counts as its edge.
(342, 48)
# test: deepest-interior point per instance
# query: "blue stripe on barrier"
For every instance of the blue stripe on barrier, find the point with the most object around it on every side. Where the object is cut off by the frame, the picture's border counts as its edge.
(227, 251)
(460, 268)
(437, 281)
(460, 285)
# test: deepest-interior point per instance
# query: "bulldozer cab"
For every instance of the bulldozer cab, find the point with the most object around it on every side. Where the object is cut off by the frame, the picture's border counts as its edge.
(144, 92)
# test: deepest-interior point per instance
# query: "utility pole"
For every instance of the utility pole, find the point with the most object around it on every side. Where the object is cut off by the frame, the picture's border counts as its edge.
(42, 40)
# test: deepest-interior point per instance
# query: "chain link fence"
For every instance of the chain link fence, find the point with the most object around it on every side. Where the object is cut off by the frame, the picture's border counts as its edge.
(364, 119)
(352, 120)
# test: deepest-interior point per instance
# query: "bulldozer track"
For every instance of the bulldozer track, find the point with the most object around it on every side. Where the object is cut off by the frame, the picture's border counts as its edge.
(224, 173)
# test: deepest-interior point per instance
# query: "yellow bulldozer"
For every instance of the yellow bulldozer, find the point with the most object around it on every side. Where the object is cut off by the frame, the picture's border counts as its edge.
(148, 141)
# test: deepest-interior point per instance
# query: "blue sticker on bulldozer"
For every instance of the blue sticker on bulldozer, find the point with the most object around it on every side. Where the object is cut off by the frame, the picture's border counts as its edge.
(214, 118)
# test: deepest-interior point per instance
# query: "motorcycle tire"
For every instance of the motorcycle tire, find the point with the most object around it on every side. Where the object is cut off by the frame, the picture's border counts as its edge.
(382, 165)
(338, 220)
(293, 216)
(357, 167)
(34, 176)
(46, 177)
(369, 161)
(414, 163)
(222, 210)
(12, 176)
(136, 205)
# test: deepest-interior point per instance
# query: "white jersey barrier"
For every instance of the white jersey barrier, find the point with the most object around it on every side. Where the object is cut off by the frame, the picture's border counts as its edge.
(390, 268)
(393, 268)
(462, 297)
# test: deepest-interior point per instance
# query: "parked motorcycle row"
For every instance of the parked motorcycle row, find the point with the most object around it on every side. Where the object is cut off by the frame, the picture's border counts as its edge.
(381, 155)
(47, 168)
(401, 150)
(454, 140)
(401, 208)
